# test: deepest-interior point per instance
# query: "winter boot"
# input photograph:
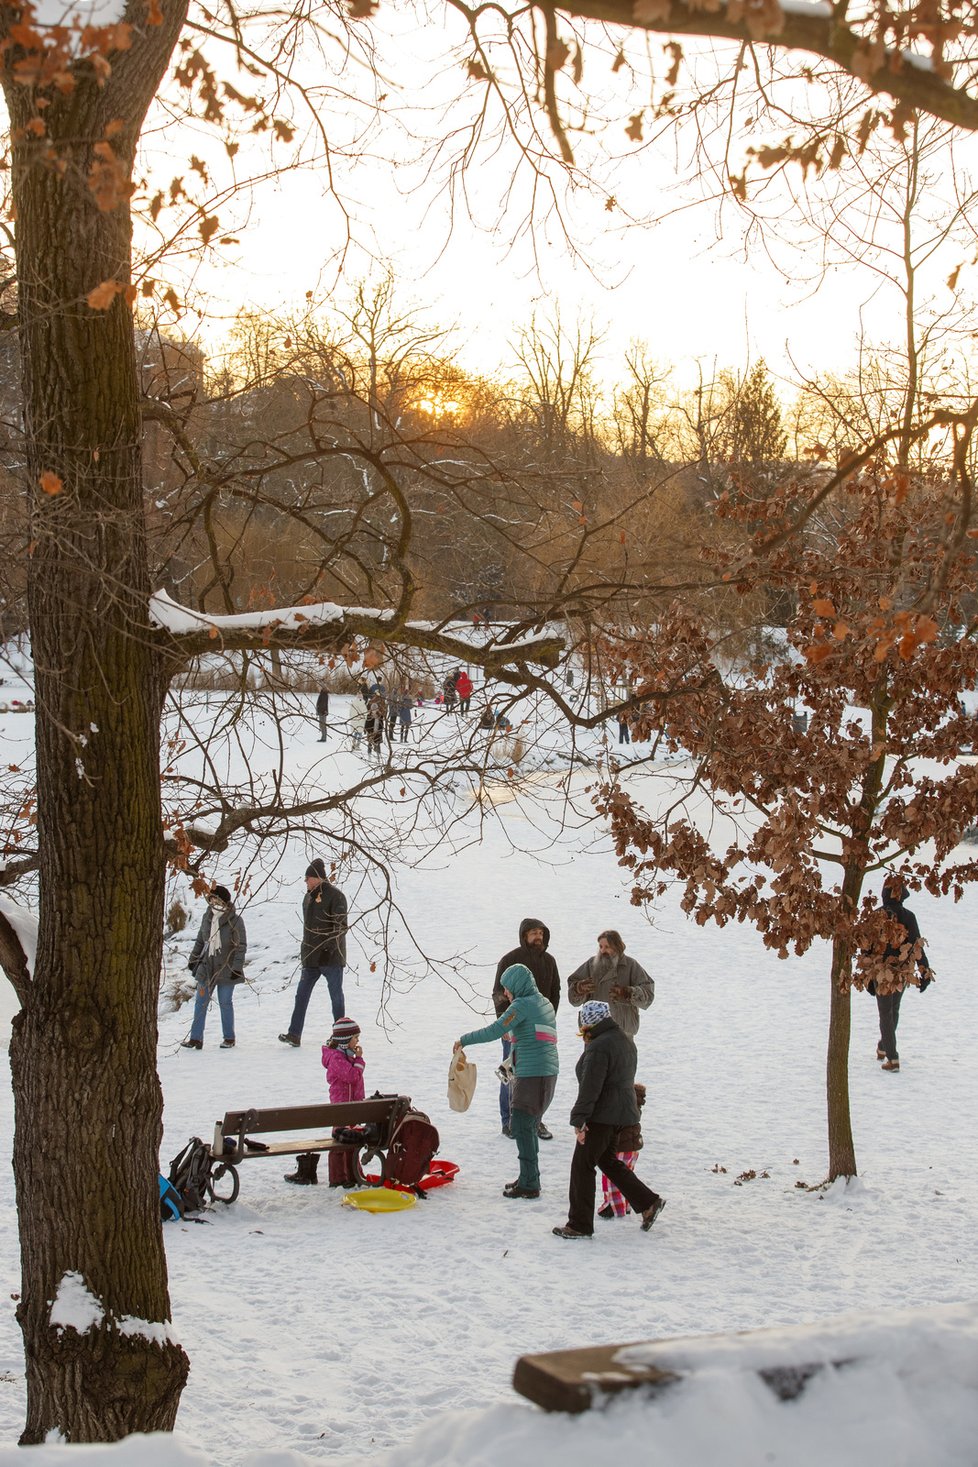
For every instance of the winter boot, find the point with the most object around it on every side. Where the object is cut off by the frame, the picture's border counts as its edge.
(227, 1043)
(305, 1171)
(191, 1044)
(340, 1169)
(880, 1052)
(651, 1213)
(889, 1064)
(513, 1189)
(292, 1039)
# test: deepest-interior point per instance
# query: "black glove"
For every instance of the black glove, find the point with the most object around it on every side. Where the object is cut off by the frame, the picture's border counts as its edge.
(925, 981)
(871, 987)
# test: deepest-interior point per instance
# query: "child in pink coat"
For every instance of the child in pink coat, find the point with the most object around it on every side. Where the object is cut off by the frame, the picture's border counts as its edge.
(343, 1063)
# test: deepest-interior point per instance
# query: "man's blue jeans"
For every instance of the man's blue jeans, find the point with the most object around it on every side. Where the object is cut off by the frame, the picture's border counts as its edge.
(225, 997)
(308, 978)
(504, 1115)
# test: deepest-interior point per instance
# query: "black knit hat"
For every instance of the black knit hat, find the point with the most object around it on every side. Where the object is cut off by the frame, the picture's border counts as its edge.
(222, 894)
(345, 1029)
(317, 868)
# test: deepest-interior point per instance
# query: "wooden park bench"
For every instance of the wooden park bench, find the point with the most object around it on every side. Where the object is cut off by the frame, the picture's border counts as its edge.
(235, 1136)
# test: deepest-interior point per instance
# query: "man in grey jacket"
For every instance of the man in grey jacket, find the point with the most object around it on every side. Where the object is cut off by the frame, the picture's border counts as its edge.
(612, 978)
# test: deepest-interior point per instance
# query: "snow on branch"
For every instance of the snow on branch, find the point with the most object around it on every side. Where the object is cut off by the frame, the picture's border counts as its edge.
(793, 25)
(327, 625)
(18, 944)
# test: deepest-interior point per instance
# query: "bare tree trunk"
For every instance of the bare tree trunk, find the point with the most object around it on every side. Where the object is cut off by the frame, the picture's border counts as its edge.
(842, 1151)
(83, 1053)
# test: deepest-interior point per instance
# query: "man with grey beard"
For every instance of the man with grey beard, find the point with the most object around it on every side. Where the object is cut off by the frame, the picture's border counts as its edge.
(612, 978)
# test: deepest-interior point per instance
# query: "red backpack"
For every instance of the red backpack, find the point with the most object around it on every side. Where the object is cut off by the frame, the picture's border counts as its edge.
(412, 1146)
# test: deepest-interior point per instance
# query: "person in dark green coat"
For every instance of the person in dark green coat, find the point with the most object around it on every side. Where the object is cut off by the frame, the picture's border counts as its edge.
(530, 1023)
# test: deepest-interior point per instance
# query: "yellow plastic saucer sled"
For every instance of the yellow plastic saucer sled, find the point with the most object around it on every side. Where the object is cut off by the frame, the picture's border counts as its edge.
(379, 1199)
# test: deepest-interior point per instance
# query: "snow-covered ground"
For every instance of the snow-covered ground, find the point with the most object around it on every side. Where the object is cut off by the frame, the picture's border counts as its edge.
(319, 1334)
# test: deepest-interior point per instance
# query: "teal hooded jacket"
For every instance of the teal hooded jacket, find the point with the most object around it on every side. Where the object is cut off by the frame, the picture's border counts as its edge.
(529, 1021)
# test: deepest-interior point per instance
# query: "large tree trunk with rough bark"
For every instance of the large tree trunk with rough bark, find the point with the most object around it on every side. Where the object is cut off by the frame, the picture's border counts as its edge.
(87, 1098)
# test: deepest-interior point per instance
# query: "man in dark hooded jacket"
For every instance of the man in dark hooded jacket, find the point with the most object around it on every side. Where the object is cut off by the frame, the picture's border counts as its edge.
(910, 950)
(532, 953)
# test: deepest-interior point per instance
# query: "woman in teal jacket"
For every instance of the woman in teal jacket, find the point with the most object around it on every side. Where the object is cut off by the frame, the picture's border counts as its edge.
(530, 1023)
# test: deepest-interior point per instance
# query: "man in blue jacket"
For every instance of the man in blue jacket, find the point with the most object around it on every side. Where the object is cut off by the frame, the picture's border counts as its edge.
(530, 1023)
(532, 953)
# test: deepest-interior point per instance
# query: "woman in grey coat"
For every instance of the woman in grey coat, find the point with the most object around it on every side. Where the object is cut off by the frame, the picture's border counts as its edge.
(611, 978)
(217, 961)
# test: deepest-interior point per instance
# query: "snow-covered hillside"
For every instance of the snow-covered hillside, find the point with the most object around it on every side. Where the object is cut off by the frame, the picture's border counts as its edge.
(317, 1334)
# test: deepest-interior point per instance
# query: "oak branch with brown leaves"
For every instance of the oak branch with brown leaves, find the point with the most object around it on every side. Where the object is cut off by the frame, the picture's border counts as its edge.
(921, 56)
(874, 657)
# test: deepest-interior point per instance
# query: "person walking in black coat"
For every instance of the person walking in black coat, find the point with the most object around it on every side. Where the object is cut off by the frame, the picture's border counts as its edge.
(605, 1102)
(532, 953)
(323, 951)
(898, 956)
(322, 713)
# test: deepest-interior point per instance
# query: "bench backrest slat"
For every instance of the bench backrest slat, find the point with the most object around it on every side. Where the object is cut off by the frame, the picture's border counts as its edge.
(312, 1117)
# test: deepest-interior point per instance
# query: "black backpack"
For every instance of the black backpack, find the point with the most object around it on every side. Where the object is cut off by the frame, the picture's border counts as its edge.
(190, 1175)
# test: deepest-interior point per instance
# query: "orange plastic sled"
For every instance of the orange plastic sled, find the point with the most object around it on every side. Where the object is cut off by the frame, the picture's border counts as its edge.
(442, 1172)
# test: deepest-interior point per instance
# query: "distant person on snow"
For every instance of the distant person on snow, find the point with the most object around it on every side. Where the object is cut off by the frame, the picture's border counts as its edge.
(343, 1063)
(531, 1025)
(322, 713)
(463, 687)
(448, 688)
(357, 718)
(896, 958)
(614, 979)
(374, 724)
(323, 951)
(405, 706)
(393, 703)
(532, 953)
(605, 1102)
(217, 962)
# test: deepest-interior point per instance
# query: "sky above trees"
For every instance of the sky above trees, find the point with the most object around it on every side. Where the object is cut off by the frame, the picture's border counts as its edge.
(645, 238)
